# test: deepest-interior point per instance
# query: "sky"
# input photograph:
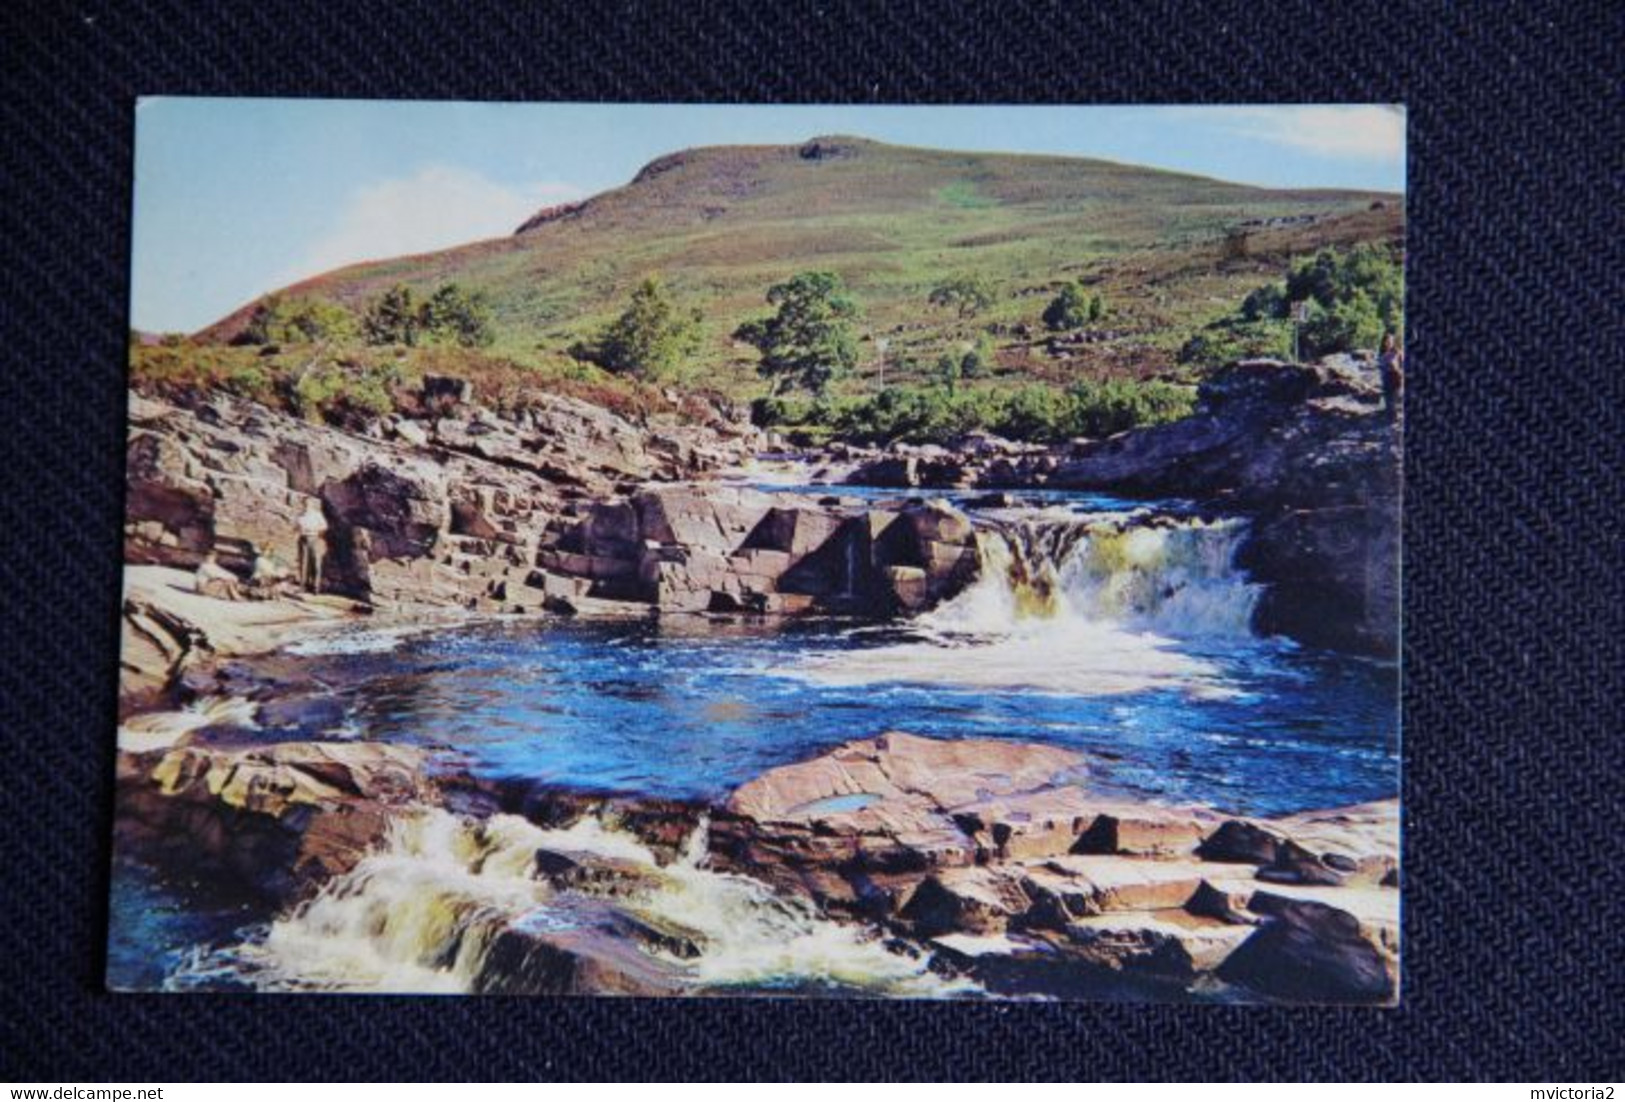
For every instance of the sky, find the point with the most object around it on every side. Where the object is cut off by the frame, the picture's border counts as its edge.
(237, 197)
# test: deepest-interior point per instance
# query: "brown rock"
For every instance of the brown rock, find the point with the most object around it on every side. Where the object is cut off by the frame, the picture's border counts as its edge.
(1311, 952)
(965, 900)
(1167, 943)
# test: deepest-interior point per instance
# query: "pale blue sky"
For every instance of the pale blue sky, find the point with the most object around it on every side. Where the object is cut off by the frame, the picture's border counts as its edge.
(236, 197)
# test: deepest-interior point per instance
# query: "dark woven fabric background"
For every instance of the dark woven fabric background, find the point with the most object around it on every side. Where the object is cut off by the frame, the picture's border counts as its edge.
(1513, 594)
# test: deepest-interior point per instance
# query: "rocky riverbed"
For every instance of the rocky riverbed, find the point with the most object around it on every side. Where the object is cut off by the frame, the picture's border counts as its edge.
(389, 857)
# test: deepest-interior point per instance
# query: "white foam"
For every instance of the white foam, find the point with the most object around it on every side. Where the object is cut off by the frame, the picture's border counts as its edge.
(1090, 607)
(419, 916)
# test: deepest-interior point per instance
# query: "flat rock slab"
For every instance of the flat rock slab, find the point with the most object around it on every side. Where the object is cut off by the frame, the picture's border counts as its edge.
(904, 770)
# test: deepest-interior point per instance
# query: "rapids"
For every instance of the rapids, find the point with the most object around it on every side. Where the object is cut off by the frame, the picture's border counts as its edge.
(1094, 624)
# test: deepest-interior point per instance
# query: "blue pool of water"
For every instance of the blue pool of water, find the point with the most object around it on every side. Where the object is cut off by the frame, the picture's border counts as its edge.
(692, 708)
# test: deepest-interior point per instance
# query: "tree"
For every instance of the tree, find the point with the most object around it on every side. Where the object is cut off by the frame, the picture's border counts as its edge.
(809, 341)
(652, 336)
(966, 294)
(1074, 307)
(296, 321)
(393, 318)
(453, 315)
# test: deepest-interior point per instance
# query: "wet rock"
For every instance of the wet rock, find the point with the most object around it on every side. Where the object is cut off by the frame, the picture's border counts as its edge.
(1041, 823)
(1097, 885)
(593, 958)
(1294, 864)
(897, 472)
(895, 766)
(1170, 943)
(575, 870)
(1144, 829)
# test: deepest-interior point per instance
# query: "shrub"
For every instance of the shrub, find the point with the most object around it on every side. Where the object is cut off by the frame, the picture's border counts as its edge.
(934, 414)
(1354, 296)
(449, 316)
(1074, 307)
(297, 321)
(454, 316)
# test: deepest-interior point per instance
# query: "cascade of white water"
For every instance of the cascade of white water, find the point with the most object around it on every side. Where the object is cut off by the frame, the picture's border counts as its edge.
(1176, 579)
(1075, 606)
(420, 914)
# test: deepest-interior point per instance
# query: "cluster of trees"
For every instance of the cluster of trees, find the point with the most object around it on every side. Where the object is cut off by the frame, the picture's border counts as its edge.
(297, 321)
(1353, 296)
(937, 414)
(450, 315)
(809, 342)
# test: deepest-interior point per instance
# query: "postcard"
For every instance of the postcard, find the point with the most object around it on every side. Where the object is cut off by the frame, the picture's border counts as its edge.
(872, 552)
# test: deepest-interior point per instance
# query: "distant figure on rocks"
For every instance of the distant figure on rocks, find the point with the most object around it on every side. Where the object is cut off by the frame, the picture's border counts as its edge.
(1391, 363)
(312, 527)
(214, 580)
(270, 578)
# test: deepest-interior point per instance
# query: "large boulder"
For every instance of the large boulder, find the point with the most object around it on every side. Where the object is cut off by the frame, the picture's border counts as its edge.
(272, 821)
(1307, 951)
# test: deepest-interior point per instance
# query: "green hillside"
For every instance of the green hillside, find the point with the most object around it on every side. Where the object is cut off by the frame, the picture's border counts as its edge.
(1167, 252)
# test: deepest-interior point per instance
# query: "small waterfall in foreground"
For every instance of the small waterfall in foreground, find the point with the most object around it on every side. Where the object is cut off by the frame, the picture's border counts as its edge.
(424, 912)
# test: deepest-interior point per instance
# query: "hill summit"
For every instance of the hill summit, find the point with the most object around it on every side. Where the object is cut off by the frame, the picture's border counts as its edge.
(721, 224)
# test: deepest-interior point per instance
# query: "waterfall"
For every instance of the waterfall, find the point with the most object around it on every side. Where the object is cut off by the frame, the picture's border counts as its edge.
(422, 912)
(1073, 605)
(1175, 578)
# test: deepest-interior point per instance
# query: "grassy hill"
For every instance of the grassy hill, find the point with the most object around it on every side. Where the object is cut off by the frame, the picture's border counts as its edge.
(1168, 252)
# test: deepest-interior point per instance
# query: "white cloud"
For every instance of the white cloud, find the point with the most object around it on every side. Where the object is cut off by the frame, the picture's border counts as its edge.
(437, 208)
(1363, 133)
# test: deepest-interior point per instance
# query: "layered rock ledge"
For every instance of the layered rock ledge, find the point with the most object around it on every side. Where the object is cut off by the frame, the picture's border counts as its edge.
(566, 510)
(997, 859)
(1001, 858)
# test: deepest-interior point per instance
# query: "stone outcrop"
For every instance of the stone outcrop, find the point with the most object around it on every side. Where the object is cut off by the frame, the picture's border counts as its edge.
(1305, 450)
(1001, 858)
(565, 508)
(269, 821)
(168, 629)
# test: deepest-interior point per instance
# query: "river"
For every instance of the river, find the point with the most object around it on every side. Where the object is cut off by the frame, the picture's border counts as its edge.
(1120, 629)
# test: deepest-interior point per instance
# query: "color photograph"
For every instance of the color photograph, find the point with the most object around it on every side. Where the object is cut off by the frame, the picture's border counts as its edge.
(789, 551)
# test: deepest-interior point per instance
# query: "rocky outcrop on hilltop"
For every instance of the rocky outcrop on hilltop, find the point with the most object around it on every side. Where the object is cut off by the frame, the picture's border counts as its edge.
(1000, 858)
